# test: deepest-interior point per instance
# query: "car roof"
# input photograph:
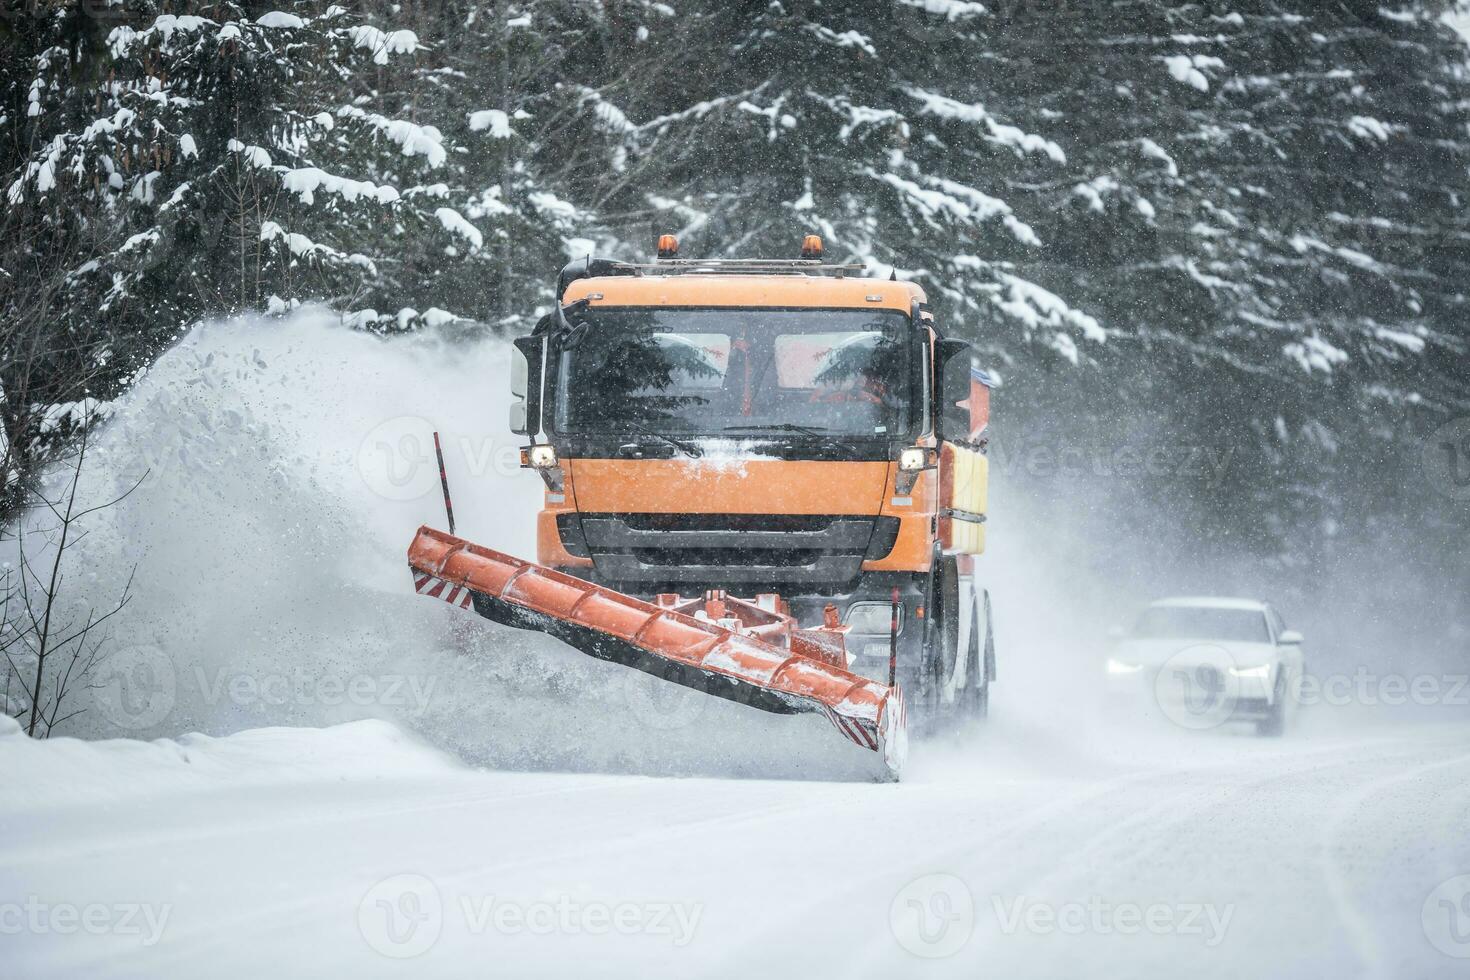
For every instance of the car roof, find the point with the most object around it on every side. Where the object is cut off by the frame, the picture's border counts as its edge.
(1211, 602)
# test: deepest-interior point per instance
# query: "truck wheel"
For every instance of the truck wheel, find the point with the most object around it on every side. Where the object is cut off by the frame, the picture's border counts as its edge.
(989, 642)
(948, 627)
(979, 662)
(937, 694)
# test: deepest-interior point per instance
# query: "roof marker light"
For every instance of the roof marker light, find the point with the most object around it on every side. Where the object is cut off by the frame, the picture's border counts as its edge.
(811, 247)
(668, 246)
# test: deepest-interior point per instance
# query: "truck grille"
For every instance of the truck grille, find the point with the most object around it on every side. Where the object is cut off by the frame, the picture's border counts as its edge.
(731, 549)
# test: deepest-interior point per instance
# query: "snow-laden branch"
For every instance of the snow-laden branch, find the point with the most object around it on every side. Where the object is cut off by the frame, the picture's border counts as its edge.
(495, 121)
(955, 201)
(944, 107)
(953, 11)
(304, 248)
(1188, 69)
(701, 109)
(415, 140)
(1037, 308)
(382, 43)
(455, 224)
(843, 39)
(304, 182)
(609, 117)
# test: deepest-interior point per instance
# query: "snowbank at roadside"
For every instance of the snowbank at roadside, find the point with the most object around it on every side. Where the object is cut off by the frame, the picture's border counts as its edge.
(286, 464)
(71, 772)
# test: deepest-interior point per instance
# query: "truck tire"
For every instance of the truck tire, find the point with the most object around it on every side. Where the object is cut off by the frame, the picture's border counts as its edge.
(936, 695)
(979, 662)
(947, 625)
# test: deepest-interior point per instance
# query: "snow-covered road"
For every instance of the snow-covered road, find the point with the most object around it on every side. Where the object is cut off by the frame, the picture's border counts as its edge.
(1218, 855)
(287, 470)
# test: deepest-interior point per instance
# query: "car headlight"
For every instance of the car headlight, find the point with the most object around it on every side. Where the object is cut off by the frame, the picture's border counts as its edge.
(1116, 666)
(542, 457)
(1261, 672)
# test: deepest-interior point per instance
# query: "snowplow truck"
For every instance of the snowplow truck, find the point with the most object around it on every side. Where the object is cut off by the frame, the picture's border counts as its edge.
(764, 479)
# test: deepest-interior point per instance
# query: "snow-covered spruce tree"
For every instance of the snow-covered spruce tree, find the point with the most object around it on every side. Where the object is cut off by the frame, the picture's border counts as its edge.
(868, 123)
(55, 355)
(165, 168)
(158, 168)
(333, 182)
(1262, 205)
(284, 154)
(520, 95)
(1272, 206)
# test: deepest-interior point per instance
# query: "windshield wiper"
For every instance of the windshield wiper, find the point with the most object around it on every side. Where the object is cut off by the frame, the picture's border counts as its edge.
(689, 449)
(778, 427)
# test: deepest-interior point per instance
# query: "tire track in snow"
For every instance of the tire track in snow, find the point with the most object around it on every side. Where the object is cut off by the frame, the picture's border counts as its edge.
(1361, 932)
(1159, 818)
(1207, 794)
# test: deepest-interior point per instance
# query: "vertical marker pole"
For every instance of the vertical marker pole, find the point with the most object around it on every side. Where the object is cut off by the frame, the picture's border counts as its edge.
(444, 481)
(893, 643)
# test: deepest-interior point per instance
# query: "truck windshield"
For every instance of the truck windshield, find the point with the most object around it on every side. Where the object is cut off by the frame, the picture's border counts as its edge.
(735, 373)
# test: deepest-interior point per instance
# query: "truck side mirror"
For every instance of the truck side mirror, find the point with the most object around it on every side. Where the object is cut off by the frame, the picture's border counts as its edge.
(953, 376)
(525, 385)
(950, 348)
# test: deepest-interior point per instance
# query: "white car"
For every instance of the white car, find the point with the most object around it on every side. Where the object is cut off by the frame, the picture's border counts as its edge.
(1208, 661)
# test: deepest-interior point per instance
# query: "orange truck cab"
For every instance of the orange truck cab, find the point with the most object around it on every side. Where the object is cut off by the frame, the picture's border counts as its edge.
(765, 427)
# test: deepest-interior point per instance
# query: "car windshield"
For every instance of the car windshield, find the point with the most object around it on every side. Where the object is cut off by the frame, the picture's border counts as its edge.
(735, 373)
(1203, 623)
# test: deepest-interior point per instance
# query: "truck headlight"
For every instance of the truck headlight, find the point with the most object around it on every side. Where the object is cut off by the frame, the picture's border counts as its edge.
(873, 618)
(1260, 673)
(1116, 666)
(913, 459)
(543, 460)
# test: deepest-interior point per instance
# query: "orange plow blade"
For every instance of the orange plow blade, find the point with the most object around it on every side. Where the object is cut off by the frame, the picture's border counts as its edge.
(752, 666)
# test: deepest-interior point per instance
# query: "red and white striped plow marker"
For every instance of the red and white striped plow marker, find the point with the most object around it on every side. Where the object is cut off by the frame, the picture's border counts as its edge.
(437, 588)
(693, 652)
